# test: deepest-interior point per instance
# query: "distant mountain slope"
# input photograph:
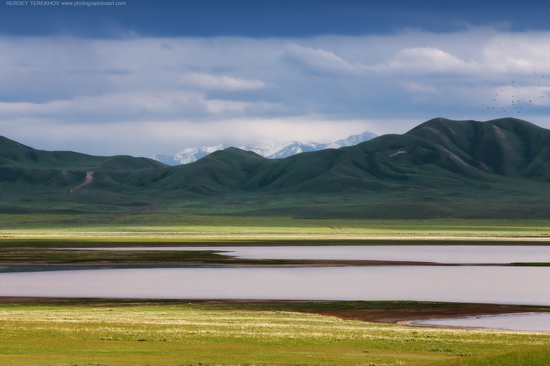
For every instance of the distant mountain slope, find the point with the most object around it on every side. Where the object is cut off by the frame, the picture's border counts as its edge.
(15, 154)
(499, 168)
(437, 153)
(23, 165)
(279, 151)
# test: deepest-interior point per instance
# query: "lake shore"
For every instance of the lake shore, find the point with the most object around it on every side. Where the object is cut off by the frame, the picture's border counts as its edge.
(392, 312)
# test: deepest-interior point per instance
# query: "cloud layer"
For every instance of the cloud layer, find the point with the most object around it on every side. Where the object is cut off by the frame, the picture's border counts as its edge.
(158, 95)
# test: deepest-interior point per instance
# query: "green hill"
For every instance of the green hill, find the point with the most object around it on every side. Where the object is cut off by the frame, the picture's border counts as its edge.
(441, 168)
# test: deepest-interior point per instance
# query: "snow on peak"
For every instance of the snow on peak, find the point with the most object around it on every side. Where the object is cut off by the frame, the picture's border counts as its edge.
(191, 154)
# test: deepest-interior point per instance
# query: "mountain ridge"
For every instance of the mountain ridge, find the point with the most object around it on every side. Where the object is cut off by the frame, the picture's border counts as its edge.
(440, 168)
(278, 151)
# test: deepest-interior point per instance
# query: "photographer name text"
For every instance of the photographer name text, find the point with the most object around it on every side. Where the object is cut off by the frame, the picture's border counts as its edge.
(65, 3)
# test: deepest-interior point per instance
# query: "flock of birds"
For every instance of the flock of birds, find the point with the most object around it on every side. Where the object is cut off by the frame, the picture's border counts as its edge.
(511, 99)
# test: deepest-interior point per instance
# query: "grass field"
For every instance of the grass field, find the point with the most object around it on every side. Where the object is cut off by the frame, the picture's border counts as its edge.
(173, 227)
(205, 334)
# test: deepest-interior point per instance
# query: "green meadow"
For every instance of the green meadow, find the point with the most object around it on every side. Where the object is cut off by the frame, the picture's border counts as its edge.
(204, 334)
(170, 226)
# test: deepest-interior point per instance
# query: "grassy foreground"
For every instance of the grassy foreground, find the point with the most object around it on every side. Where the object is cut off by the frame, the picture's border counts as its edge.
(204, 334)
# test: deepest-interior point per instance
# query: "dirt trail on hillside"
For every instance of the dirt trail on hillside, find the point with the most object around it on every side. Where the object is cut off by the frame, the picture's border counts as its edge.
(87, 181)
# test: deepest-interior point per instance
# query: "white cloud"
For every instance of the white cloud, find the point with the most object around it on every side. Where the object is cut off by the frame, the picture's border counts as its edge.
(187, 91)
(139, 105)
(223, 82)
(427, 60)
(518, 53)
(315, 59)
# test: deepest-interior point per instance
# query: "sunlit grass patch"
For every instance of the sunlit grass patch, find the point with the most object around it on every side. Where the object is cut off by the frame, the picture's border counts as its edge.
(193, 333)
(159, 227)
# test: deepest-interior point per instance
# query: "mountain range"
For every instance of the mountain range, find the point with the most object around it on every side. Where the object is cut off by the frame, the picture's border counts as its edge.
(441, 168)
(277, 151)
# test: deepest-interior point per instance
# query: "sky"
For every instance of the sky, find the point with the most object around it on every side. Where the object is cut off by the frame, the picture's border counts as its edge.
(144, 77)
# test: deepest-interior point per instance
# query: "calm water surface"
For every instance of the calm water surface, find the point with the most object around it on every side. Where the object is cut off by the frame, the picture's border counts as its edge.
(536, 322)
(480, 284)
(450, 254)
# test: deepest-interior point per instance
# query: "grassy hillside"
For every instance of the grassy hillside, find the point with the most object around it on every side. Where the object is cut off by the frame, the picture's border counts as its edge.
(441, 168)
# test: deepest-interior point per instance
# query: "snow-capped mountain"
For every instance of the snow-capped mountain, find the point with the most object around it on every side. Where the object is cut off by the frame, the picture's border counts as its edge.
(192, 154)
(295, 148)
(351, 140)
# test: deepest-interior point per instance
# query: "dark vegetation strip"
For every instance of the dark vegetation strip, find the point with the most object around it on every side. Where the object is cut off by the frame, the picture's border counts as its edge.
(44, 256)
(99, 243)
(48, 252)
(23, 259)
(533, 264)
(371, 311)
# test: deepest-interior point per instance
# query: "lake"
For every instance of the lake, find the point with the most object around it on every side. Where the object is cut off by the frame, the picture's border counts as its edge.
(481, 284)
(535, 322)
(475, 283)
